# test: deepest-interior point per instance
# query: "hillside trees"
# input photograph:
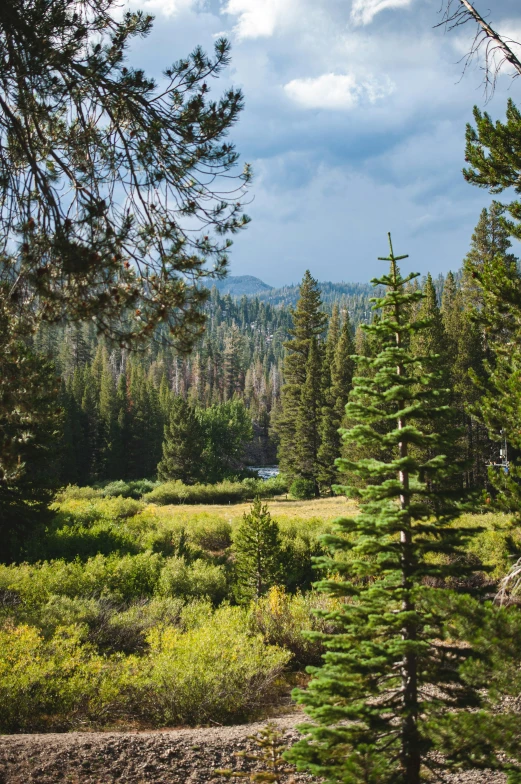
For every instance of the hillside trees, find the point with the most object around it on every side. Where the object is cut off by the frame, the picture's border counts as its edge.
(395, 679)
(338, 375)
(114, 249)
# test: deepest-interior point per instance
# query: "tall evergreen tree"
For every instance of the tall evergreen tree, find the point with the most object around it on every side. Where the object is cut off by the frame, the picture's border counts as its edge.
(343, 367)
(499, 388)
(340, 375)
(392, 689)
(183, 445)
(489, 239)
(308, 435)
(309, 322)
(30, 424)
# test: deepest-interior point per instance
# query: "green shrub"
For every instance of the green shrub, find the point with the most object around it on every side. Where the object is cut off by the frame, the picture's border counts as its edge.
(75, 541)
(196, 580)
(275, 485)
(283, 619)
(215, 672)
(178, 493)
(121, 578)
(213, 537)
(126, 630)
(73, 492)
(299, 548)
(302, 489)
(135, 489)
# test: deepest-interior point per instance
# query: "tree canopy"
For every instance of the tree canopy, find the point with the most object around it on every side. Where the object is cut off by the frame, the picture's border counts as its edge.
(112, 197)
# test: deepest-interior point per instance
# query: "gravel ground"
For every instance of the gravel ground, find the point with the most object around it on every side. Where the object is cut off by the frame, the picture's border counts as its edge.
(184, 756)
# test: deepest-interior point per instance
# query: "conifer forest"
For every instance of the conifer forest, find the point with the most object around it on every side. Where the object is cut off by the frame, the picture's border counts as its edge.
(225, 502)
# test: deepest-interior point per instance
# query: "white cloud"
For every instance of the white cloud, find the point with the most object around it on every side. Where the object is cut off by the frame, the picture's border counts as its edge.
(364, 11)
(336, 91)
(258, 18)
(166, 7)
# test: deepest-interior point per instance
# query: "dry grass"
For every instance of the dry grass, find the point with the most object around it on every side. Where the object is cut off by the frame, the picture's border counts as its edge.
(282, 509)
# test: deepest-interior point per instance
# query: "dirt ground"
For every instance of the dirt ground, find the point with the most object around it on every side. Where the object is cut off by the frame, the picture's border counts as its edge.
(183, 756)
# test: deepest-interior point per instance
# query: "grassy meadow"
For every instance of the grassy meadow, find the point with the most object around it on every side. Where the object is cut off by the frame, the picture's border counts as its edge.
(126, 612)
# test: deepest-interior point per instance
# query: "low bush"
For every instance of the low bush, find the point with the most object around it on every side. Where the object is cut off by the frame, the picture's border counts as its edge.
(196, 580)
(121, 578)
(56, 684)
(217, 671)
(283, 620)
(302, 489)
(208, 667)
(176, 492)
(135, 489)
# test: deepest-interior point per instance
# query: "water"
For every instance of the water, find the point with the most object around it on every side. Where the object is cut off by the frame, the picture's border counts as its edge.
(266, 472)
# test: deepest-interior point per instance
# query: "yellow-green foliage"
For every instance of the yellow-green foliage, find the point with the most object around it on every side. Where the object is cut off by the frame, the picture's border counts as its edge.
(497, 546)
(207, 668)
(282, 618)
(120, 578)
(56, 683)
(216, 670)
(193, 580)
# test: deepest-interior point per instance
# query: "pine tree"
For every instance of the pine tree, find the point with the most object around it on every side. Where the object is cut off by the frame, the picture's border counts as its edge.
(343, 367)
(499, 389)
(183, 444)
(309, 323)
(30, 425)
(391, 689)
(307, 436)
(493, 153)
(489, 239)
(66, 246)
(257, 552)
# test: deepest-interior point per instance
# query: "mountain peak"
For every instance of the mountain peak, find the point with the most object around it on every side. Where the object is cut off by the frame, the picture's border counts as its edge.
(240, 285)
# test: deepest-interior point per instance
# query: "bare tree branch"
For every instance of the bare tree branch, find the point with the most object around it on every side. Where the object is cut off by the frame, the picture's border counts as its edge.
(497, 48)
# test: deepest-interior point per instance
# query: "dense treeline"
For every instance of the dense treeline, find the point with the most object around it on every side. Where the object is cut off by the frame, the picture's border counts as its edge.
(262, 376)
(318, 365)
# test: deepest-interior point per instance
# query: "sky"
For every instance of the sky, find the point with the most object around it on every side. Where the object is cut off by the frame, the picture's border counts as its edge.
(354, 125)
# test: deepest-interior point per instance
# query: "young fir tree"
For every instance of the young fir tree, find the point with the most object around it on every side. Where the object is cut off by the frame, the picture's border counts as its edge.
(257, 550)
(308, 322)
(183, 444)
(393, 686)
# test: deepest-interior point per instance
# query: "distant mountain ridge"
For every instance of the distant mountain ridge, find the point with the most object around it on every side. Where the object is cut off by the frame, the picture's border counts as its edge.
(241, 285)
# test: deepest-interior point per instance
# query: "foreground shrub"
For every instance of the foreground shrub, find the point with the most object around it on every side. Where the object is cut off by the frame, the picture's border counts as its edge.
(216, 671)
(285, 620)
(54, 684)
